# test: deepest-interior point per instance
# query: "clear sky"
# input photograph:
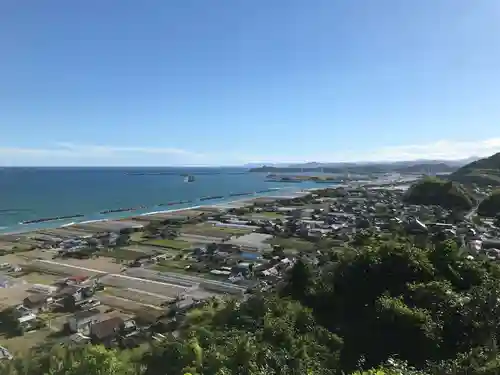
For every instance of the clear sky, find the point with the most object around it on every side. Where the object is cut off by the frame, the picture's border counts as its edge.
(225, 82)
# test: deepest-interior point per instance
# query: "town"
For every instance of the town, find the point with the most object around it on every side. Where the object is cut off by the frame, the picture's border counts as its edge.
(125, 283)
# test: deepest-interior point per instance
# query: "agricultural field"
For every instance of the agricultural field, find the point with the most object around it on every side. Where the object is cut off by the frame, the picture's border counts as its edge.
(292, 243)
(171, 265)
(136, 296)
(26, 343)
(39, 278)
(172, 244)
(137, 236)
(210, 230)
(122, 254)
(6, 246)
(268, 214)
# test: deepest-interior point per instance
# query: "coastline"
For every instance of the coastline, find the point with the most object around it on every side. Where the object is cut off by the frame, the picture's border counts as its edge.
(222, 203)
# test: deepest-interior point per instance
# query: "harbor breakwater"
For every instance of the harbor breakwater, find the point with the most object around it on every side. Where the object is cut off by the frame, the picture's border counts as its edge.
(120, 213)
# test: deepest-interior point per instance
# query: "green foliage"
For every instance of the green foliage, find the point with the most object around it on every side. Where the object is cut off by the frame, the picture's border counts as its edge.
(263, 335)
(433, 191)
(483, 172)
(430, 308)
(389, 299)
(491, 205)
(89, 360)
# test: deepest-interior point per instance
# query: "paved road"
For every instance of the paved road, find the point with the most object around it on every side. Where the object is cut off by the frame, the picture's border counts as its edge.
(471, 213)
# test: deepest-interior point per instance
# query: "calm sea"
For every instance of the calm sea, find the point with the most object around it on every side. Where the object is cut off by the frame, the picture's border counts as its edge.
(32, 193)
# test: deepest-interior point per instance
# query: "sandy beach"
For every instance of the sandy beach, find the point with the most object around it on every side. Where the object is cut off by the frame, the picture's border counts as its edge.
(286, 192)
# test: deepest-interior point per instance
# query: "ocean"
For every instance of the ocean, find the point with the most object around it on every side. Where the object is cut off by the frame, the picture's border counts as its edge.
(33, 193)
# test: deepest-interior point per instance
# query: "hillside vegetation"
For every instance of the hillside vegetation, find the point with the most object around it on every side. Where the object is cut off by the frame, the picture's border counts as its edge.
(491, 205)
(482, 172)
(434, 191)
(386, 308)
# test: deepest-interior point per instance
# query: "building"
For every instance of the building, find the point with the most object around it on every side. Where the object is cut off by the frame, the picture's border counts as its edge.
(252, 242)
(83, 320)
(106, 331)
(5, 354)
(73, 295)
(37, 302)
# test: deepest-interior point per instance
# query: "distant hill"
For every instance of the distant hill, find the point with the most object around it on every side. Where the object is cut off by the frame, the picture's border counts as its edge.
(434, 191)
(482, 172)
(424, 168)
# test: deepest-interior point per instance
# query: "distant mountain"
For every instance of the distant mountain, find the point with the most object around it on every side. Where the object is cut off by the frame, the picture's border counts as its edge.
(482, 172)
(384, 164)
(258, 165)
(453, 163)
(401, 167)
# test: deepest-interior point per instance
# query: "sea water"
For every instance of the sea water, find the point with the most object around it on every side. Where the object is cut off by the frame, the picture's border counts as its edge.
(33, 193)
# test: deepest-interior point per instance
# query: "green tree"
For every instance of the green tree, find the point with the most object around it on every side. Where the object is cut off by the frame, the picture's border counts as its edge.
(89, 360)
(300, 280)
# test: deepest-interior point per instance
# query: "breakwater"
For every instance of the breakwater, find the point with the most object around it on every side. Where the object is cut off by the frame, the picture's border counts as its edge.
(31, 194)
(47, 219)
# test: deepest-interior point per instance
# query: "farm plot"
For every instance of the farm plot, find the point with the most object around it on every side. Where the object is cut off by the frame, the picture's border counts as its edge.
(171, 244)
(122, 254)
(138, 296)
(292, 243)
(213, 231)
(126, 304)
(149, 286)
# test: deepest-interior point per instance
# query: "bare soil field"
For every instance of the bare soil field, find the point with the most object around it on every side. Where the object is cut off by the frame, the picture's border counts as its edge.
(126, 304)
(40, 278)
(137, 296)
(14, 259)
(5, 245)
(61, 269)
(142, 248)
(212, 231)
(122, 255)
(24, 344)
(13, 295)
(40, 254)
(165, 289)
(200, 239)
(66, 232)
(100, 264)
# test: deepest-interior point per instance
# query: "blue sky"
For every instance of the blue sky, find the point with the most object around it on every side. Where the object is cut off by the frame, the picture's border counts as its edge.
(225, 82)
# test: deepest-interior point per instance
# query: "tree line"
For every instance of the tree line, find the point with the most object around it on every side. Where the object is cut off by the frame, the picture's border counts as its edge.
(387, 307)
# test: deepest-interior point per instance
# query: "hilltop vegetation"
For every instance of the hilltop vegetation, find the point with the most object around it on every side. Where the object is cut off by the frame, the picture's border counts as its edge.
(434, 191)
(491, 205)
(482, 172)
(430, 308)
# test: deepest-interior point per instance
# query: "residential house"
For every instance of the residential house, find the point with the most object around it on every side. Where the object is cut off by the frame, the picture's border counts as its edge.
(106, 331)
(83, 320)
(73, 295)
(5, 354)
(37, 302)
(25, 317)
